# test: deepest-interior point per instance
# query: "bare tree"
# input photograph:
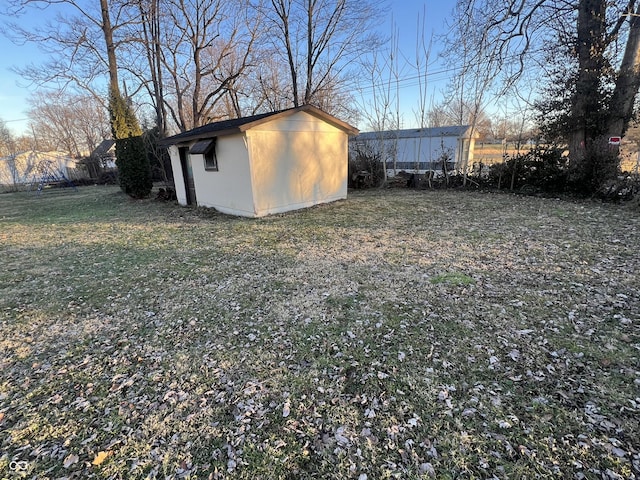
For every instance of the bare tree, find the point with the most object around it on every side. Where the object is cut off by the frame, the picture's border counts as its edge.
(470, 52)
(81, 39)
(187, 55)
(149, 32)
(8, 153)
(207, 45)
(458, 112)
(195, 61)
(108, 34)
(318, 39)
(519, 116)
(268, 85)
(602, 36)
(379, 97)
(7, 141)
(75, 124)
(378, 107)
(422, 54)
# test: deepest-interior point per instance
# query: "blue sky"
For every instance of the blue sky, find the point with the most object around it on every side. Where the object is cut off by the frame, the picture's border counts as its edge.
(14, 91)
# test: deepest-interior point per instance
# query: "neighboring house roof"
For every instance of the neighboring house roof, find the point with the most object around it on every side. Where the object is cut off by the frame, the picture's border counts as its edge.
(104, 149)
(237, 125)
(461, 131)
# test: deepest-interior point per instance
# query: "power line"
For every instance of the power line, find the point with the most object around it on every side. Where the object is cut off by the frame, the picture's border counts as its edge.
(415, 80)
(16, 120)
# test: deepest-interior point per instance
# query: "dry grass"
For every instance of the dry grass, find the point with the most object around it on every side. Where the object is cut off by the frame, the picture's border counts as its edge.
(398, 334)
(630, 159)
(490, 153)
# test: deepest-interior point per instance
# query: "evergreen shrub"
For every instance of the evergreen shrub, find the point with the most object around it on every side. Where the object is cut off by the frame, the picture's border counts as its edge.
(595, 170)
(539, 170)
(134, 170)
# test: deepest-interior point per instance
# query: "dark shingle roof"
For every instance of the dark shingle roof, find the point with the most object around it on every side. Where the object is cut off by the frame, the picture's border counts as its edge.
(206, 130)
(237, 125)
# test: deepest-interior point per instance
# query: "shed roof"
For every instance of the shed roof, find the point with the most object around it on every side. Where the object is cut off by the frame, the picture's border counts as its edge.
(237, 125)
(104, 148)
(460, 131)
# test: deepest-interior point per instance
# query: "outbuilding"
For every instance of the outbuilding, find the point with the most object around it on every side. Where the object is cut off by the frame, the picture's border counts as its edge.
(264, 164)
(419, 150)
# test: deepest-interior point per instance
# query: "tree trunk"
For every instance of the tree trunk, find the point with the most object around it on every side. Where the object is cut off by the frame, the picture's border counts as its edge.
(627, 82)
(283, 11)
(310, 43)
(151, 28)
(107, 31)
(197, 85)
(587, 97)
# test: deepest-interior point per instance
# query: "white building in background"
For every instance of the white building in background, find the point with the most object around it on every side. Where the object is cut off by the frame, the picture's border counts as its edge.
(26, 167)
(419, 150)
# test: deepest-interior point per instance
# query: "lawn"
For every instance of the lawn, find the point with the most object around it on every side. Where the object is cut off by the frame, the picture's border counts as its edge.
(397, 334)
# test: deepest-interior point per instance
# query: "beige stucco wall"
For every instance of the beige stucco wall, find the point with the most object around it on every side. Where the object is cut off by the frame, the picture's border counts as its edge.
(228, 189)
(277, 166)
(296, 162)
(178, 178)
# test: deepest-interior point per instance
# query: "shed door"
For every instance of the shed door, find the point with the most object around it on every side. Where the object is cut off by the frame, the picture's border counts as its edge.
(187, 173)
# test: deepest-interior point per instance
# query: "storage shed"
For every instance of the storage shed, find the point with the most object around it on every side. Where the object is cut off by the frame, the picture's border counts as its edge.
(419, 150)
(263, 164)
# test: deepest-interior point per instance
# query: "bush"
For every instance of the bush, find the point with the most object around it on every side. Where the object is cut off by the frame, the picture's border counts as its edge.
(92, 166)
(108, 178)
(539, 170)
(595, 170)
(623, 188)
(159, 158)
(365, 168)
(134, 170)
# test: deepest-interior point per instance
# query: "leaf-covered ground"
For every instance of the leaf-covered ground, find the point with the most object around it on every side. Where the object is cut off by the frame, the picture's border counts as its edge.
(397, 334)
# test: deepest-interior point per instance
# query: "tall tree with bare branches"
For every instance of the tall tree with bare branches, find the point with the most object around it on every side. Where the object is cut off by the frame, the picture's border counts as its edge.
(75, 124)
(206, 46)
(81, 39)
(318, 39)
(601, 39)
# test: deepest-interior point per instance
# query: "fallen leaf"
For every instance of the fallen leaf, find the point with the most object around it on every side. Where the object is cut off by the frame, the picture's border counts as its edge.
(70, 460)
(341, 438)
(427, 468)
(100, 457)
